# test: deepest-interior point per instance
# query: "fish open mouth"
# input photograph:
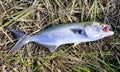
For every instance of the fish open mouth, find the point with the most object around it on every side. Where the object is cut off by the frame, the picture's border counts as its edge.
(106, 28)
(106, 31)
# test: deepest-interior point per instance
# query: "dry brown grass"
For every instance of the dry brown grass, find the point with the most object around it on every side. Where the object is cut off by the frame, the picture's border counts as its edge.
(33, 15)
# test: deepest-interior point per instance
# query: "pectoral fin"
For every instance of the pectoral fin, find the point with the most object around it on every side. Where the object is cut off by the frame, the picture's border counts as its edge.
(77, 31)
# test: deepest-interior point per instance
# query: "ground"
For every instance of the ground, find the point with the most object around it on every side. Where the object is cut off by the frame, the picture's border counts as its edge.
(31, 16)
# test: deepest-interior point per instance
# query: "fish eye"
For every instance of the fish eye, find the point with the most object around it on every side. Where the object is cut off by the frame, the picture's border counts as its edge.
(102, 25)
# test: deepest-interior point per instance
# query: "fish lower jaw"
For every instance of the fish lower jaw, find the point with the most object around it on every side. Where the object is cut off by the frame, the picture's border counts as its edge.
(110, 33)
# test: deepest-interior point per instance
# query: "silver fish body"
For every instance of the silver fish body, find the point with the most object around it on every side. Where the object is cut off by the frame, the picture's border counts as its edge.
(57, 35)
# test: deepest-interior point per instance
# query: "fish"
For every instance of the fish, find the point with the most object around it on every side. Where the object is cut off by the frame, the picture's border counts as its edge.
(60, 34)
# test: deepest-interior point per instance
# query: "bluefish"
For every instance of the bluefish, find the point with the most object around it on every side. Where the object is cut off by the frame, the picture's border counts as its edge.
(57, 35)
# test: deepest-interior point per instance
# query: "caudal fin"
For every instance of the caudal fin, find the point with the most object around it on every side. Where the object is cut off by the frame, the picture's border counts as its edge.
(16, 34)
(19, 44)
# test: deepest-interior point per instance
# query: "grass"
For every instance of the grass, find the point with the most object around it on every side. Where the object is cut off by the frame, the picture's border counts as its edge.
(31, 16)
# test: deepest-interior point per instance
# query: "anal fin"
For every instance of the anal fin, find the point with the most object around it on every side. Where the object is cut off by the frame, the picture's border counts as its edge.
(52, 48)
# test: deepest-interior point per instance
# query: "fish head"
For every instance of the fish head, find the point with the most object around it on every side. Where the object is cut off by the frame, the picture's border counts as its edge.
(98, 30)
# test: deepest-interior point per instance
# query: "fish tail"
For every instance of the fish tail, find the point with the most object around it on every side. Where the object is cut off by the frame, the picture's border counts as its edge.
(16, 33)
(19, 44)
